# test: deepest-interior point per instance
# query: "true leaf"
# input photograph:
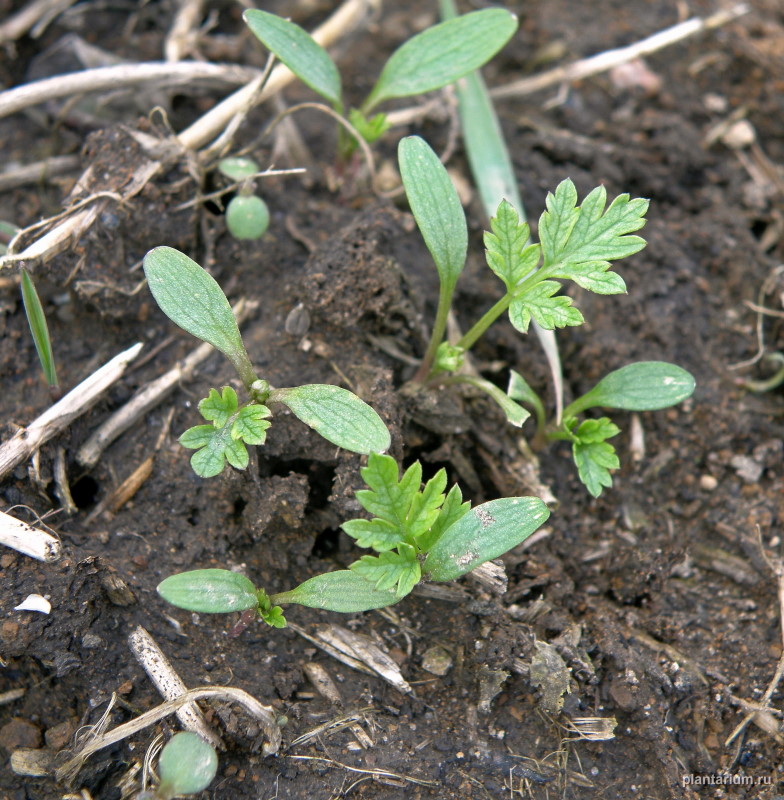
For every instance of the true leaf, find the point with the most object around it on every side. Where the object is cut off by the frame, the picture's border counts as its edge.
(369, 128)
(451, 511)
(214, 446)
(342, 591)
(595, 276)
(391, 570)
(594, 462)
(549, 311)
(251, 424)
(209, 591)
(192, 299)
(376, 533)
(337, 415)
(642, 386)
(596, 430)
(484, 533)
(507, 251)
(436, 208)
(272, 615)
(187, 765)
(299, 51)
(217, 408)
(442, 54)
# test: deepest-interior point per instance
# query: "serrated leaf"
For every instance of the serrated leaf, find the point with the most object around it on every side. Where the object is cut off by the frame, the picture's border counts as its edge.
(191, 298)
(426, 505)
(344, 591)
(573, 235)
(595, 276)
(507, 251)
(214, 446)
(299, 51)
(376, 533)
(217, 408)
(539, 303)
(251, 424)
(391, 570)
(594, 462)
(209, 591)
(451, 511)
(337, 415)
(442, 54)
(642, 386)
(436, 208)
(596, 430)
(274, 617)
(484, 533)
(187, 765)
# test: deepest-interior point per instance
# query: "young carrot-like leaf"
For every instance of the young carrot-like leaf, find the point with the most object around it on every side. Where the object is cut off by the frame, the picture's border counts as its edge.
(299, 51)
(484, 533)
(337, 415)
(187, 765)
(508, 253)
(398, 571)
(209, 591)
(442, 54)
(342, 591)
(642, 386)
(39, 329)
(191, 298)
(548, 309)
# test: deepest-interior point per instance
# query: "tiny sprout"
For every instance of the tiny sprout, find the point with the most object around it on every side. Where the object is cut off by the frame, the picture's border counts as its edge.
(187, 765)
(247, 217)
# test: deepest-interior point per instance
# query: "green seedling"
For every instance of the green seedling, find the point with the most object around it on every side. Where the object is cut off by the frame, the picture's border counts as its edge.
(187, 765)
(428, 61)
(192, 299)
(417, 532)
(578, 242)
(247, 215)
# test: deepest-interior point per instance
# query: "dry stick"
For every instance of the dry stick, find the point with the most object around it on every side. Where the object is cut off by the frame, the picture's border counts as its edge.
(170, 685)
(181, 33)
(28, 440)
(342, 22)
(38, 172)
(27, 18)
(264, 714)
(26, 539)
(118, 77)
(152, 395)
(586, 67)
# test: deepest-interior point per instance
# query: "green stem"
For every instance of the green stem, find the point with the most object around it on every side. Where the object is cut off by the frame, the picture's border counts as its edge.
(487, 319)
(437, 336)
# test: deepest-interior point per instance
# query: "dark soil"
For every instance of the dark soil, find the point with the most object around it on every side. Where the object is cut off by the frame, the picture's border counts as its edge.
(660, 597)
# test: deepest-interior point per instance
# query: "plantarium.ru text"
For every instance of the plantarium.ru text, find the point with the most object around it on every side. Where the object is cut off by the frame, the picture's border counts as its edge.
(417, 532)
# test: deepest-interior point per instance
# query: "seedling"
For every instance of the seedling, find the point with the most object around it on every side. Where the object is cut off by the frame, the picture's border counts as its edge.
(430, 60)
(578, 243)
(418, 533)
(247, 215)
(192, 299)
(187, 765)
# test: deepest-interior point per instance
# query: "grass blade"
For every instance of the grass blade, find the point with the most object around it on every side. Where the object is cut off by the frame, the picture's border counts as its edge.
(40, 330)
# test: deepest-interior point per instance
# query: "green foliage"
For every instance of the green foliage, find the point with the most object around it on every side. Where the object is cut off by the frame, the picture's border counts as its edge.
(39, 329)
(369, 128)
(238, 168)
(508, 253)
(540, 304)
(193, 300)
(416, 531)
(187, 765)
(297, 49)
(247, 217)
(592, 454)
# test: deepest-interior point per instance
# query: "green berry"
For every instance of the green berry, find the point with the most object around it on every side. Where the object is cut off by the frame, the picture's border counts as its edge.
(247, 217)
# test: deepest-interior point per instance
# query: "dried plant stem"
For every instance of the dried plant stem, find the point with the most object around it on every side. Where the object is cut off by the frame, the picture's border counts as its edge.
(26, 539)
(26, 441)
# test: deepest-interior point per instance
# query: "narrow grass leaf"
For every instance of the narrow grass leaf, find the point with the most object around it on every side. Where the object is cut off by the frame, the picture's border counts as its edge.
(191, 298)
(642, 386)
(442, 54)
(38, 328)
(436, 208)
(342, 591)
(337, 415)
(187, 765)
(299, 51)
(484, 533)
(209, 591)
(515, 414)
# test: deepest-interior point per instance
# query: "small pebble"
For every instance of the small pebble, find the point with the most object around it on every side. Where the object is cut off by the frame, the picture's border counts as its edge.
(708, 482)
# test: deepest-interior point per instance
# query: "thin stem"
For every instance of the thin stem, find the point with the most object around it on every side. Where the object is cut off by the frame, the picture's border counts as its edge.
(437, 336)
(487, 319)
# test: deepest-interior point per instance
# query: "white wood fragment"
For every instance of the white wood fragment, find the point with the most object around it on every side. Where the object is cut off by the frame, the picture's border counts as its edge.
(26, 539)
(35, 602)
